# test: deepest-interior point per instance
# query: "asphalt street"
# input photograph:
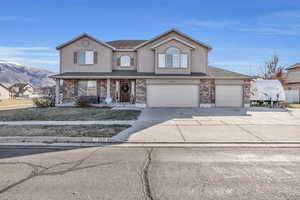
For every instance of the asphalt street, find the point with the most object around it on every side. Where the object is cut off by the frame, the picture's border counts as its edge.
(149, 173)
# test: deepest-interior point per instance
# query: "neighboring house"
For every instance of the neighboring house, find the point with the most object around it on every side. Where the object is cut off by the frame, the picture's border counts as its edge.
(169, 70)
(45, 91)
(293, 79)
(4, 92)
(22, 90)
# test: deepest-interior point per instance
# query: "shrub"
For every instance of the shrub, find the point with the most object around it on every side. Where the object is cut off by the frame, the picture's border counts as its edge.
(43, 102)
(82, 102)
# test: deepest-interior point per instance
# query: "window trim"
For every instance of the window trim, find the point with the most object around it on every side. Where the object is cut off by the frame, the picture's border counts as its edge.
(180, 59)
(87, 89)
(125, 66)
(85, 50)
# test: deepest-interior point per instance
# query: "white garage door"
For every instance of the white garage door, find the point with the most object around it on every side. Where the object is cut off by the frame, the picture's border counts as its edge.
(172, 95)
(229, 96)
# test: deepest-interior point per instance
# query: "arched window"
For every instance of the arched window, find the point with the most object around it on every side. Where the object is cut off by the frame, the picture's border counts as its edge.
(172, 51)
(125, 61)
(173, 58)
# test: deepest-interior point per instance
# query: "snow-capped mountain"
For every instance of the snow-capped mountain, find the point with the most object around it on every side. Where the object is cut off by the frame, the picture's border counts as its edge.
(17, 73)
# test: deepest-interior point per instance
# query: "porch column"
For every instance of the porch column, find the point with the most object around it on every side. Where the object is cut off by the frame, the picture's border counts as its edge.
(117, 91)
(132, 95)
(57, 91)
(108, 88)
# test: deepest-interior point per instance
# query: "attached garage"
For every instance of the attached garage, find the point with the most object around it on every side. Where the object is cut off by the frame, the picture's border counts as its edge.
(163, 95)
(229, 95)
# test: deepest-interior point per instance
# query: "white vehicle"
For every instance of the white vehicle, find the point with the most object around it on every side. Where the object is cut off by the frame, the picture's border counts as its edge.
(267, 90)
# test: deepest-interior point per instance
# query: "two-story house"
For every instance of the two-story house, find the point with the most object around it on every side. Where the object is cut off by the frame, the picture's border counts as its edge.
(169, 70)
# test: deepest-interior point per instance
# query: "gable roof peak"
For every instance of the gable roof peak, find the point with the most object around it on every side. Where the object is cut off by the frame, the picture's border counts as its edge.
(179, 33)
(82, 36)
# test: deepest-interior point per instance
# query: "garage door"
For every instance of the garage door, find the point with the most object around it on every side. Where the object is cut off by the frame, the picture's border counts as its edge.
(229, 96)
(172, 95)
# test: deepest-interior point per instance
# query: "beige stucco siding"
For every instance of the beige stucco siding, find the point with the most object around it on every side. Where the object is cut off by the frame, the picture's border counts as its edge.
(294, 75)
(4, 93)
(146, 56)
(104, 57)
(118, 54)
(183, 50)
(145, 59)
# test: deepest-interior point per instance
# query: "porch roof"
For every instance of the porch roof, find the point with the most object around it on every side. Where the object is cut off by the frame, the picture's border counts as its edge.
(125, 74)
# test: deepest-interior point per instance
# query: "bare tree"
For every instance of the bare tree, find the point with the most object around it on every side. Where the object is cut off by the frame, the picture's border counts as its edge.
(272, 68)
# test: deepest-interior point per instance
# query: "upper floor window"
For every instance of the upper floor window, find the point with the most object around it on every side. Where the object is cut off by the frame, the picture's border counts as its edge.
(85, 57)
(173, 58)
(125, 61)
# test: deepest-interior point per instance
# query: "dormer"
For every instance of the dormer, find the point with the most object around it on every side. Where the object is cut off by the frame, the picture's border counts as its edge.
(172, 52)
(173, 56)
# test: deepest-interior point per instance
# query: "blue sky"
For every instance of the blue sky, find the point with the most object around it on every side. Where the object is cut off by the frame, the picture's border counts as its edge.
(244, 34)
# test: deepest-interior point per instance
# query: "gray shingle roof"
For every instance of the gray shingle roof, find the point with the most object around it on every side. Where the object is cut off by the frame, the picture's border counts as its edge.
(218, 72)
(121, 73)
(125, 44)
(213, 72)
(297, 65)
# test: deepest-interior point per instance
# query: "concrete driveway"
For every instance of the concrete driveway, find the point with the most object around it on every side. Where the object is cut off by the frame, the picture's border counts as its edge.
(215, 125)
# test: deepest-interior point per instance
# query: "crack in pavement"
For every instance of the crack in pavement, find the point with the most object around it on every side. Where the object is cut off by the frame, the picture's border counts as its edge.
(39, 170)
(145, 176)
(180, 132)
(250, 133)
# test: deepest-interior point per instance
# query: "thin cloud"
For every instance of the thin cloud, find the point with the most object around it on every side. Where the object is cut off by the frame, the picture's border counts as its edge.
(16, 18)
(209, 23)
(287, 14)
(276, 23)
(29, 55)
(27, 51)
(29, 60)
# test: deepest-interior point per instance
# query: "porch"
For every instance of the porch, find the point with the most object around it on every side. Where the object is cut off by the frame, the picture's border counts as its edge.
(101, 92)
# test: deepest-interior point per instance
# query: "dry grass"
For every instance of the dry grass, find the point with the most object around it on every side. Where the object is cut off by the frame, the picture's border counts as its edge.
(68, 114)
(62, 131)
(17, 101)
(294, 105)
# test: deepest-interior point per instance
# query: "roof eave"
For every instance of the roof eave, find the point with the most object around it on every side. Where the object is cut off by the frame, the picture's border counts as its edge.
(176, 31)
(81, 36)
(170, 39)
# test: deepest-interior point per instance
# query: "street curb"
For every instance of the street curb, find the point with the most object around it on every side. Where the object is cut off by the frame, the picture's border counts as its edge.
(63, 123)
(281, 144)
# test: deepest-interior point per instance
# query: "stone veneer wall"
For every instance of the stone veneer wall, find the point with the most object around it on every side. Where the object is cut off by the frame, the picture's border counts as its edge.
(247, 92)
(207, 91)
(113, 89)
(101, 91)
(140, 93)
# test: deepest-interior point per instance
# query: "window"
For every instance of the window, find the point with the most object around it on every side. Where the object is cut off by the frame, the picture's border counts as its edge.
(85, 57)
(172, 59)
(87, 88)
(125, 61)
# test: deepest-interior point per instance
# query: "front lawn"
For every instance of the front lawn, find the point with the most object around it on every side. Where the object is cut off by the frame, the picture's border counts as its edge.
(294, 105)
(17, 101)
(68, 114)
(62, 131)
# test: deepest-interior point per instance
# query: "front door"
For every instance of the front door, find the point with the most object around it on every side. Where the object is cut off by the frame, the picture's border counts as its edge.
(124, 91)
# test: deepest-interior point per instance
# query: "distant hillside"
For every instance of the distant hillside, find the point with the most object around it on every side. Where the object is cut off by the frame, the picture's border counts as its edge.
(15, 73)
